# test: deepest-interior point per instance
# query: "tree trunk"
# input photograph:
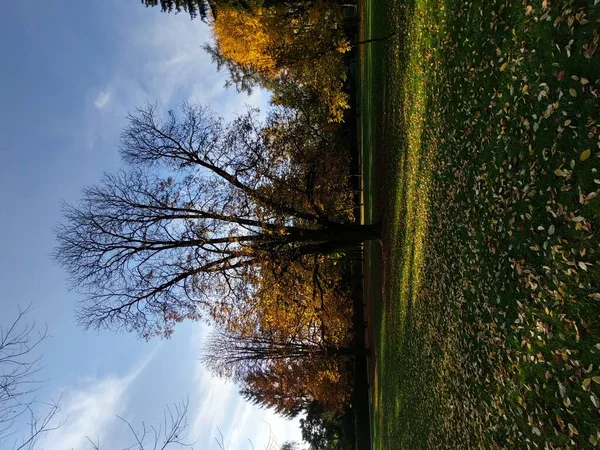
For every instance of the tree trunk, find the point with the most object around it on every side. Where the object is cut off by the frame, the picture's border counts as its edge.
(335, 237)
(352, 234)
(347, 351)
(379, 39)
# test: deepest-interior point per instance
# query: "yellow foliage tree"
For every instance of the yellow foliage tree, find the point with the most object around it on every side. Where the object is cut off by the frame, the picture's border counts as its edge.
(247, 39)
(305, 45)
(303, 301)
(288, 345)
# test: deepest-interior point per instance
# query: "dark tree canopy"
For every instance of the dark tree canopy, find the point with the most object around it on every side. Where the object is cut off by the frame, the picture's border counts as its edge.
(183, 233)
(324, 430)
(195, 8)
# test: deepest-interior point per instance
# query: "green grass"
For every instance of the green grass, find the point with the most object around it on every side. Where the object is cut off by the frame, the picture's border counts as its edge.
(481, 141)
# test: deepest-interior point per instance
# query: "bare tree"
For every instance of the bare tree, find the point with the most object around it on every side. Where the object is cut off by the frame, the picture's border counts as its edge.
(172, 432)
(19, 372)
(271, 443)
(152, 249)
(237, 354)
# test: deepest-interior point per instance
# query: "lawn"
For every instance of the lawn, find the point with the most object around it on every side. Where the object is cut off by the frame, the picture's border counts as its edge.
(480, 131)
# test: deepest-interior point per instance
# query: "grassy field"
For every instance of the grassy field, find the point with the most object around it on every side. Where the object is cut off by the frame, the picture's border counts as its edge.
(481, 140)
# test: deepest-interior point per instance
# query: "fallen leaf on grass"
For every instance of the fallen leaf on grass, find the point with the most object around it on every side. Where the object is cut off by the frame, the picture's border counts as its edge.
(585, 154)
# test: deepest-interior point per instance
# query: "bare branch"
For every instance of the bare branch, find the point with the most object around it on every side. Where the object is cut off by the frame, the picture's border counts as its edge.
(40, 425)
(19, 367)
(171, 433)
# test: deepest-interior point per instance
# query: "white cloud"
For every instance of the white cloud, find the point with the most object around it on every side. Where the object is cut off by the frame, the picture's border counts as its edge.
(102, 99)
(259, 426)
(91, 410)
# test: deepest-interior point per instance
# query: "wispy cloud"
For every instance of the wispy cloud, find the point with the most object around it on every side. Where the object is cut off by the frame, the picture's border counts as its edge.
(102, 99)
(91, 409)
(160, 60)
(213, 399)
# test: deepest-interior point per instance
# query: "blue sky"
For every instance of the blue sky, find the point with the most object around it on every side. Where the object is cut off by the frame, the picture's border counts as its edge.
(71, 71)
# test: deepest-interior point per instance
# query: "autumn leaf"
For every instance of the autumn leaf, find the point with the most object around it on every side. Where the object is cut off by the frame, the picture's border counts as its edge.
(585, 155)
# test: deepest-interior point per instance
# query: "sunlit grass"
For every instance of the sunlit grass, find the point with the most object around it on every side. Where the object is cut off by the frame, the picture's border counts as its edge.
(489, 326)
(408, 225)
(409, 219)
